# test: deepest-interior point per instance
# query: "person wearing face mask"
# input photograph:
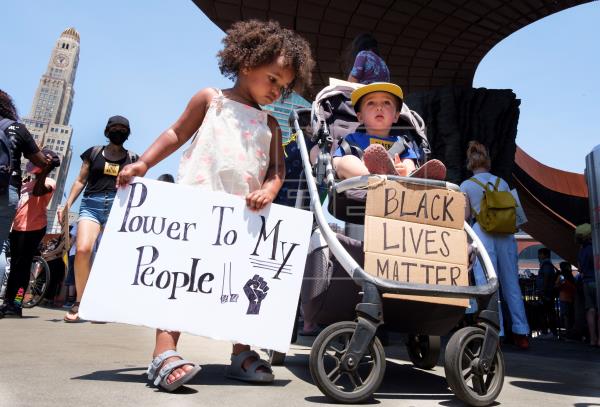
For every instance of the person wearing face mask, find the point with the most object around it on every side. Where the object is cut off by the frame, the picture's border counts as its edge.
(97, 179)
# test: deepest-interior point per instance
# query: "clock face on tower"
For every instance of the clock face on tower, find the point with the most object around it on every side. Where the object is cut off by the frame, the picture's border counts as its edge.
(61, 60)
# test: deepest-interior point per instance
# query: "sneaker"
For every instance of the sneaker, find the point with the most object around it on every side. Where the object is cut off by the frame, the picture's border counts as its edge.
(521, 341)
(378, 161)
(11, 311)
(432, 169)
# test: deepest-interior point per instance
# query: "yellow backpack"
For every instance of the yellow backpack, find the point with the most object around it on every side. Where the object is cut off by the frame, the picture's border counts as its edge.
(498, 209)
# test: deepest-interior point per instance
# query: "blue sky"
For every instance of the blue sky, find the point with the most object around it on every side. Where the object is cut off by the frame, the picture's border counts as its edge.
(553, 65)
(144, 60)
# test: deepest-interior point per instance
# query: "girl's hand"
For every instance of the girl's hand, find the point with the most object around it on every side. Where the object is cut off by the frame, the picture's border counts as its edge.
(60, 212)
(259, 199)
(137, 169)
(400, 167)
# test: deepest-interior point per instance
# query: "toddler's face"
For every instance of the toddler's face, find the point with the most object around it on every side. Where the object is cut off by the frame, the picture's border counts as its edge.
(266, 82)
(378, 112)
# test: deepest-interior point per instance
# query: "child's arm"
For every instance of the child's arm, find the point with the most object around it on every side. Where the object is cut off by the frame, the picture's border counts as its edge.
(347, 165)
(40, 188)
(258, 199)
(171, 139)
(78, 186)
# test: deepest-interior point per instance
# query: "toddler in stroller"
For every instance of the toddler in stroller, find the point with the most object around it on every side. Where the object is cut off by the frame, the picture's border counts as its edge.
(378, 146)
(347, 360)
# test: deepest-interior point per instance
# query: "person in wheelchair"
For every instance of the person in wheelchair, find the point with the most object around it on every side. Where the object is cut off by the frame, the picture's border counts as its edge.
(376, 148)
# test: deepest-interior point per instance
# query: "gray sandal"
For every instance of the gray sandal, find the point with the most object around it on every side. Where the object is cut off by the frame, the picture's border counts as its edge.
(252, 375)
(159, 377)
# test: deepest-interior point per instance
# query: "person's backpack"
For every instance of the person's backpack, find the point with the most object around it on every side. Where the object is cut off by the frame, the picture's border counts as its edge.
(5, 155)
(498, 209)
(131, 156)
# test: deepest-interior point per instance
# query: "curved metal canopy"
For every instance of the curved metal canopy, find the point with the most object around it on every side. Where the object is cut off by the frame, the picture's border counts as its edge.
(429, 44)
(426, 43)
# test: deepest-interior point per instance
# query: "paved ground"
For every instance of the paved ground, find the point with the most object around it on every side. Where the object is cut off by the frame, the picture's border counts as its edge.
(45, 362)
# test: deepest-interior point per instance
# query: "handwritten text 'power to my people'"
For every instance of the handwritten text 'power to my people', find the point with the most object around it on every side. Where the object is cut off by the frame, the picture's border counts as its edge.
(191, 281)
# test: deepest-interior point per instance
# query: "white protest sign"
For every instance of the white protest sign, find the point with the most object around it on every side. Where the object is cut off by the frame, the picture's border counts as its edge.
(185, 259)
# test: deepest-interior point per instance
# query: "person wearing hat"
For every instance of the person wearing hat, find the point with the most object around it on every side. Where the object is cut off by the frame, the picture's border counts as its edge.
(378, 106)
(28, 229)
(585, 265)
(97, 179)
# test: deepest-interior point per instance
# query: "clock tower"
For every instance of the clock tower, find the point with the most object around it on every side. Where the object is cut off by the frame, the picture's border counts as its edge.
(48, 120)
(54, 97)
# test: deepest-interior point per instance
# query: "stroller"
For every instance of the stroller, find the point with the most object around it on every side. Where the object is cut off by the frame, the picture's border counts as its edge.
(347, 359)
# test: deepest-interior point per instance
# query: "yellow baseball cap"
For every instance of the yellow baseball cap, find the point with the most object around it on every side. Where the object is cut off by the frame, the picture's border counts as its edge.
(376, 87)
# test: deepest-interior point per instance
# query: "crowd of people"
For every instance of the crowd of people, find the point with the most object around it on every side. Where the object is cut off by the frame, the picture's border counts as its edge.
(237, 148)
(565, 300)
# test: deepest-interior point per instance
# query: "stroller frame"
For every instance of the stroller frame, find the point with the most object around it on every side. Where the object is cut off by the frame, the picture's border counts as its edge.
(370, 310)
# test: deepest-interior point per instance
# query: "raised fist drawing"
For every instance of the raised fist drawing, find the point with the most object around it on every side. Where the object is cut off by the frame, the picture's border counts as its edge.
(256, 290)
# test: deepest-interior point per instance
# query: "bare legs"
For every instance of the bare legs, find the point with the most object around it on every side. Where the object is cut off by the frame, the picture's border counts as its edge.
(593, 321)
(349, 166)
(87, 233)
(167, 340)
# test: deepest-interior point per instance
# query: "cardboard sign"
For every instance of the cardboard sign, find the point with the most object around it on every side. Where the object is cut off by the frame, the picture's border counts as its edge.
(408, 239)
(417, 271)
(416, 203)
(185, 259)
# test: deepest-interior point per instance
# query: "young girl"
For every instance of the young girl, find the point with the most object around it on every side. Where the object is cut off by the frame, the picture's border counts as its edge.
(237, 149)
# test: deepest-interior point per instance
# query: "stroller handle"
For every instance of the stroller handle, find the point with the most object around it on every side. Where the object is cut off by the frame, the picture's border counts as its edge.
(294, 115)
(363, 182)
(350, 265)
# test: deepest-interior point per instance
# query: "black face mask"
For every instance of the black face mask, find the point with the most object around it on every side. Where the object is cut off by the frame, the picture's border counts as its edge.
(117, 137)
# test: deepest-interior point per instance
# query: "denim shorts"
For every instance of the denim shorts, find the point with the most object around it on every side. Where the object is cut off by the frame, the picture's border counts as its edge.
(96, 207)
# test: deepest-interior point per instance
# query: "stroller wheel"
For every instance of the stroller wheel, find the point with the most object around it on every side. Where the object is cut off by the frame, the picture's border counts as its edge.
(423, 350)
(329, 374)
(462, 354)
(276, 358)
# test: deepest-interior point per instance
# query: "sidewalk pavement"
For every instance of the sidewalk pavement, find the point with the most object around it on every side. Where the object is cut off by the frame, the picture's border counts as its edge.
(45, 362)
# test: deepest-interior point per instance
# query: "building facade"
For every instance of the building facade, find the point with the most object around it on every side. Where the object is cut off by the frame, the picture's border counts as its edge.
(48, 120)
(281, 111)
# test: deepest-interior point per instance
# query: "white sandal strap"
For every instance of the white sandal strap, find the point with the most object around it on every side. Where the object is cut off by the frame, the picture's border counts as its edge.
(158, 361)
(169, 367)
(259, 363)
(243, 356)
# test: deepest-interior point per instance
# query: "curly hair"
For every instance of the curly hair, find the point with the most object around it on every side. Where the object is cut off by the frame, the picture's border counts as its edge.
(253, 43)
(7, 107)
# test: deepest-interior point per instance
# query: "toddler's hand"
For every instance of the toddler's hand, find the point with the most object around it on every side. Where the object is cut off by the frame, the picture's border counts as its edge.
(401, 168)
(137, 169)
(259, 199)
